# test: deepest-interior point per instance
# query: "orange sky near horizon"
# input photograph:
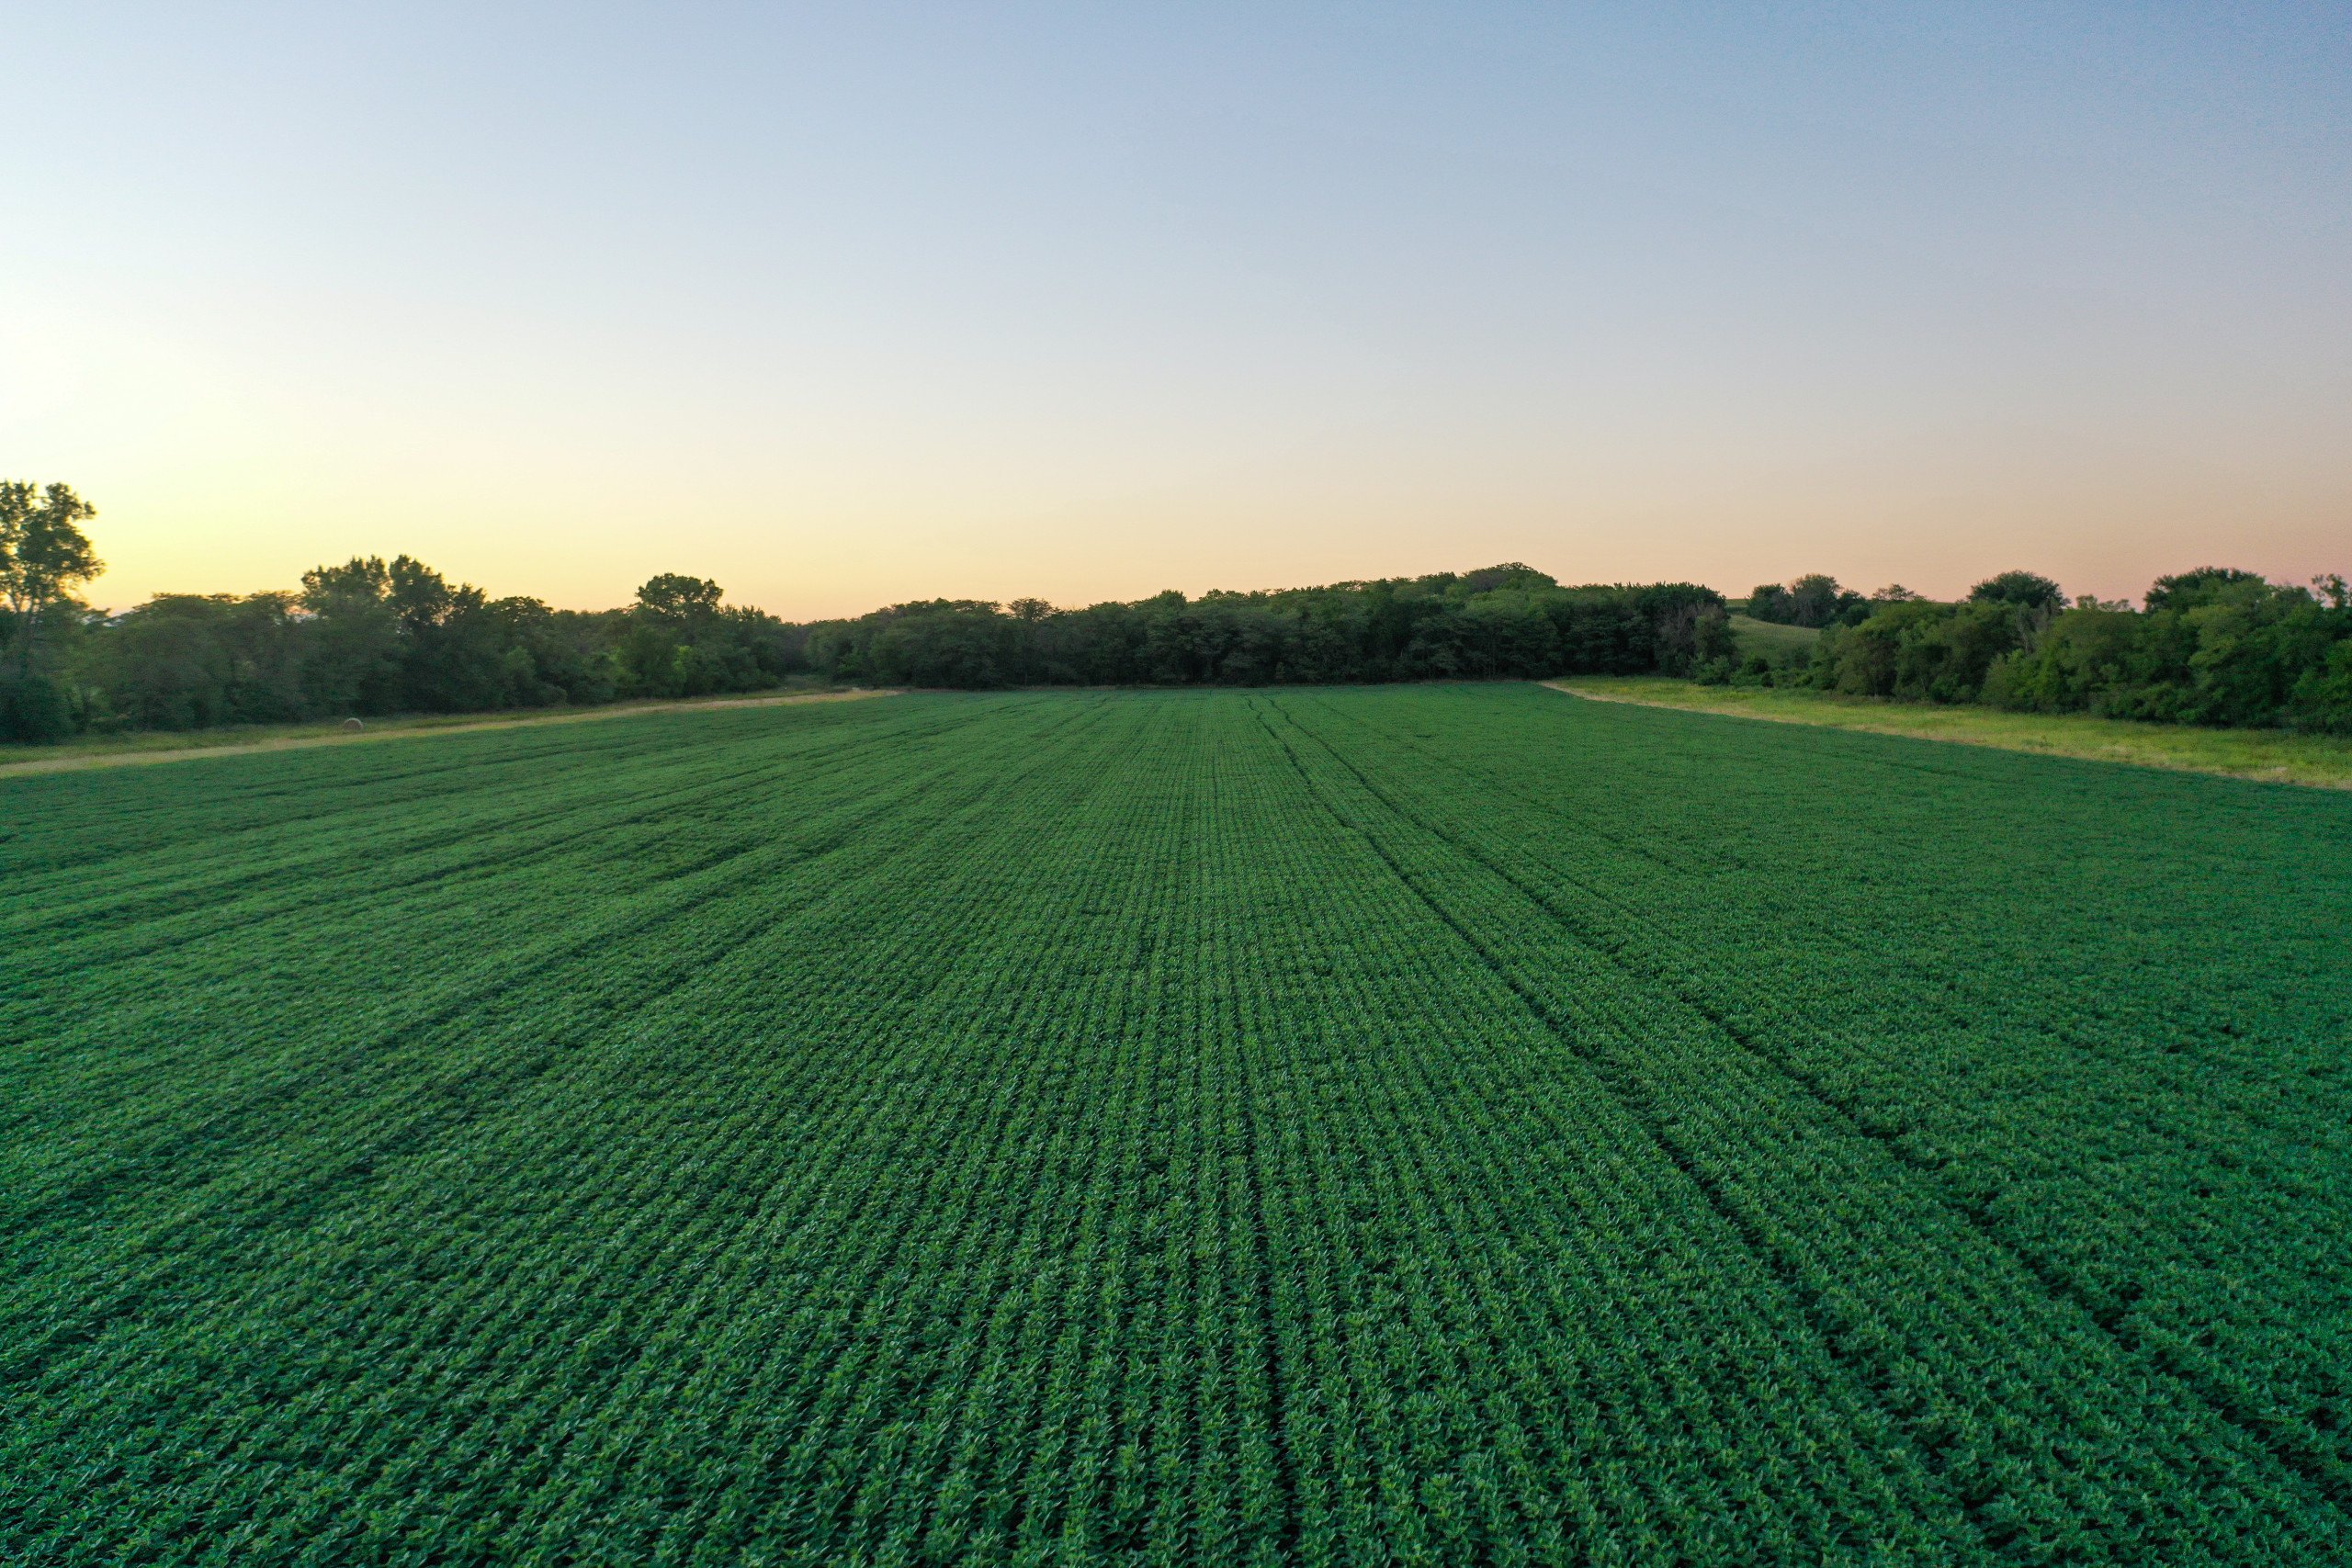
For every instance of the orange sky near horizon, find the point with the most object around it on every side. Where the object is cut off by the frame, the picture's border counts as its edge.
(848, 308)
(813, 560)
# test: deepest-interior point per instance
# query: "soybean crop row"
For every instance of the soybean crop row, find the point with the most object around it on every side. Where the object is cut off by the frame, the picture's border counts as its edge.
(1418, 1124)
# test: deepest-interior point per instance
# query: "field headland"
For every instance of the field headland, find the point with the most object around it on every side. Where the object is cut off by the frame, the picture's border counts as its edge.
(2270, 756)
(179, 746)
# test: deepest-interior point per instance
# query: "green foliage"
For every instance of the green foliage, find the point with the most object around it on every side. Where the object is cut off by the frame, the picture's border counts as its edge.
(2214, 647)
(1430, 1124)
(33, 707)
(1919, 650)
(678, 640)
(185, 660)
(1503, 621)
(43, 552)
(2206, 585)
(44, 556)
(2024, 589)
(372, 638)
(2322, 699)
(1815, 600)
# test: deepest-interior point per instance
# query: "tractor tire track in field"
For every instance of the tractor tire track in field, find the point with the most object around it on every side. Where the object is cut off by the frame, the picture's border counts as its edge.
(754, 854)
(1139, 1127)
(2255, 1102)
(456, 1100)
(1629, 1092)
(46, 765)
(2323, 1471)
(2184, 1125)
(238, 938)
(318, 872)
(2329, 1469)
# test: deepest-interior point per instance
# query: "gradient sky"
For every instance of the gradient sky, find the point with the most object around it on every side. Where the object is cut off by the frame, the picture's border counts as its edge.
(847, 305)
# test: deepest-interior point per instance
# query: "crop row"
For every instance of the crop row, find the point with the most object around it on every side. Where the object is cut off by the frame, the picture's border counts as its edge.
(1089, 1128)
(2193, 1208)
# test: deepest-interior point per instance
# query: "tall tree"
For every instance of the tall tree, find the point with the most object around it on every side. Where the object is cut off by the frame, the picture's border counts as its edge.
(678, 600)
(44, 556)
(1816, 599)
(352, 638)
(2026, 590)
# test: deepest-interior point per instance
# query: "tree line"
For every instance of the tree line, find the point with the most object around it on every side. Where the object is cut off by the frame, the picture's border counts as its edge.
(371, 636)
(1502, 620)
(2216, 645)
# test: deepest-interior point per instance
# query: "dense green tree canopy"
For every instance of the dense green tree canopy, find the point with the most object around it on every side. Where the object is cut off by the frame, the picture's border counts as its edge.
(2026, 590)
(2213, 646)
(2216, 645)
(1507, 620)
(44, 556)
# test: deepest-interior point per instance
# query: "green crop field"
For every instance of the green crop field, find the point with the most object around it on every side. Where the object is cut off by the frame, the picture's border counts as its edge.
(1418, 1125)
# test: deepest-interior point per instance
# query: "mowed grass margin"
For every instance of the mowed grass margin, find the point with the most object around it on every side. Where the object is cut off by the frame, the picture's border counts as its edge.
(180, 745)
(2270, 756)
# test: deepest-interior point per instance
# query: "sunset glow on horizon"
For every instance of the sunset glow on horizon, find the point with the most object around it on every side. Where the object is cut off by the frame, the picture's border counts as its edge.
(844, 308)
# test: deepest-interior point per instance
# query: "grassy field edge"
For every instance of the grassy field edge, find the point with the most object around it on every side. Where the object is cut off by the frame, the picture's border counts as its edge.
(1769, 638)
(175, 746)
(2318, 762)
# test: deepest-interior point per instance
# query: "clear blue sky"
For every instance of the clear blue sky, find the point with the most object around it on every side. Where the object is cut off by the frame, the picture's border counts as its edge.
(848, 305)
